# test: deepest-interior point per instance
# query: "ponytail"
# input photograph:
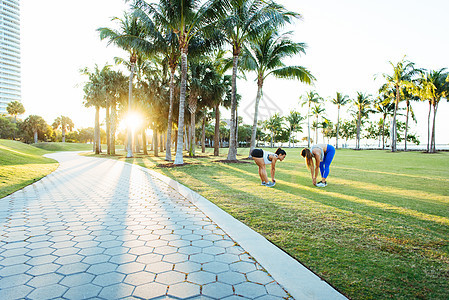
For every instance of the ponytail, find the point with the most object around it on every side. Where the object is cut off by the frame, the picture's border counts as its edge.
(279, 151)
(308, 156)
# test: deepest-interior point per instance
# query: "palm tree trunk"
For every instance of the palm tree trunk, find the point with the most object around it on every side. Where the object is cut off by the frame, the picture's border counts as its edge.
(232, 153)
(186, 137)
(182, 98)
(155, 142)
(308, 126)
(135, 142)
(432, 142)
(35, 136)
(338, 127)
(383, 133)
(144, 141)
(192, 134)
(162, 142)
(359, 117)
(393, 131)
(217, 130)
(170, 115)
(176, 139)
(236, 129)
(97, 130)
(113, 121)
(406, 125)
(428, 126)
(14, 131)
(130, 135)
(379, 135)
(203, 137)
(63, 134)
(108, 130)
(289, 137)
(256, 114)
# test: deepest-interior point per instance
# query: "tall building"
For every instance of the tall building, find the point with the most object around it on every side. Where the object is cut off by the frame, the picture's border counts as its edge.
(10, 84)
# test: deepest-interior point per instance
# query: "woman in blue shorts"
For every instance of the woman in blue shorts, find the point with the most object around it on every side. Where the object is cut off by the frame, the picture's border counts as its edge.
(323, 155)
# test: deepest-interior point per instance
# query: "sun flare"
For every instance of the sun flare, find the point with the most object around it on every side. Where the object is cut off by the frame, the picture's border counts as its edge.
(133, 120)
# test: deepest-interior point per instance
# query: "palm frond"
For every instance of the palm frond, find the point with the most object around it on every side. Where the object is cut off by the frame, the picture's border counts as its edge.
(294, 72)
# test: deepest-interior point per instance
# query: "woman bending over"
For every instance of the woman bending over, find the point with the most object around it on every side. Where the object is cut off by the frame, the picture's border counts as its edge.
(323, 155)
(263, 158)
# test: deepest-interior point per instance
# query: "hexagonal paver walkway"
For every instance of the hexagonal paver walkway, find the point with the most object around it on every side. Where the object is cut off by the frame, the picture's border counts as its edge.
(104, 229)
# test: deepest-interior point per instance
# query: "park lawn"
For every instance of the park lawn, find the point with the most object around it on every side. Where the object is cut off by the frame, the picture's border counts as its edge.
(20, 165)
(55, 146)
(380, 229)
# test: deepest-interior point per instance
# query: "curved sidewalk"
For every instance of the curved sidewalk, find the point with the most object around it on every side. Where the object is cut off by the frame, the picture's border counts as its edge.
(105, 229)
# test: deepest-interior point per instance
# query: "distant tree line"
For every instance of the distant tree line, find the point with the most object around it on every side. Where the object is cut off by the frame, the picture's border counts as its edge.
(392, 106)
(34, 128)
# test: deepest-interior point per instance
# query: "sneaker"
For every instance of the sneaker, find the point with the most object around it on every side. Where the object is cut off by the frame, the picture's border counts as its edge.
(270, 184)
(263, 183)
(321, 184)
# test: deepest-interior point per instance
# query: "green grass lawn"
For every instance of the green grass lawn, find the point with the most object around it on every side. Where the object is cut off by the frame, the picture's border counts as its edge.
(21, 165)
(380, 229)
(63, 146)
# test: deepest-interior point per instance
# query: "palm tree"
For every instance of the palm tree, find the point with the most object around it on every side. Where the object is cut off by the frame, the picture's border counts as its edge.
(348, 129)
(94, 95)
(222, 96)
(294, 120)
(111, 83)
(202, 81)
(265, 56)
(409, 109)
(317, 110)
(130, 38)
(274, 125)
(425, 90)
(187, 19)
(384, 106)
(117, 88)
(164, 42)
(206, 116)
(402, 75)
(311, 97)
(152, 94)
(15, 108)
(363, 104)
(65, 123)
(222, 93)
(247, 19)
(214, 87)
(339, 100)
(327, 128)
(34, 124)
(438, 79)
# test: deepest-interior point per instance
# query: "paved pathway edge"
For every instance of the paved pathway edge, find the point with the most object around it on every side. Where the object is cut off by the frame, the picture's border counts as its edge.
(299, 281)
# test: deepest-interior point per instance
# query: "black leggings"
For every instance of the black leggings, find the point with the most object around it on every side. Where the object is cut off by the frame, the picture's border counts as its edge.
(257, 153)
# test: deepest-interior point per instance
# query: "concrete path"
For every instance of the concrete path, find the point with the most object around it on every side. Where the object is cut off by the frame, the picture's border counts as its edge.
(104, 229)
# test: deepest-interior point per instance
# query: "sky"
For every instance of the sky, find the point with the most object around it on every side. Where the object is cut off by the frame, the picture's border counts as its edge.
(349, 46)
